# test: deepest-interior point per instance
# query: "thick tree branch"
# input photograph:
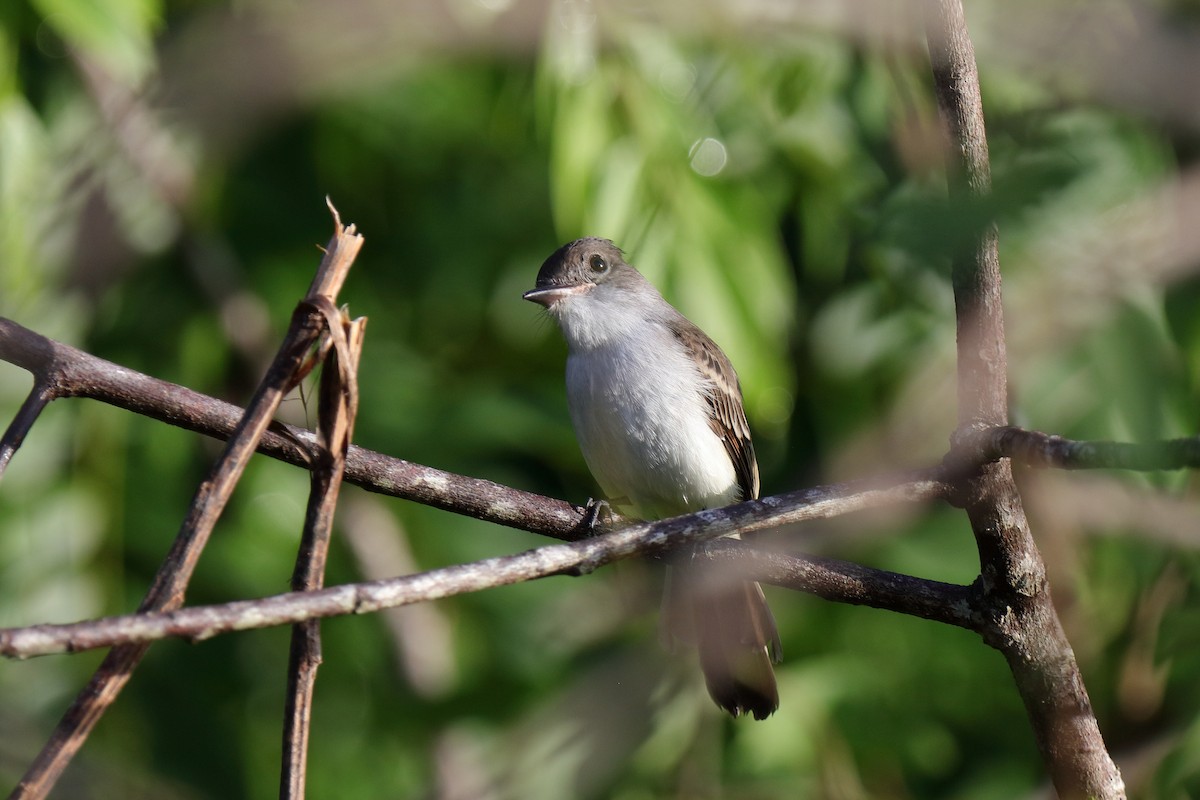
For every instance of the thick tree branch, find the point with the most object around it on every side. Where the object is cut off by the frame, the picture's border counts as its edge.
(1024, 625)
(832, 579)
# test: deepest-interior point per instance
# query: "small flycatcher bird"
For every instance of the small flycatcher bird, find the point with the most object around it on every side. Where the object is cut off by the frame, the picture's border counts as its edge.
(657, 409)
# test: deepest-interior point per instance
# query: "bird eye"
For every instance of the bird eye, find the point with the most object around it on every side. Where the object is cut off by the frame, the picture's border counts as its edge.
(597, 263)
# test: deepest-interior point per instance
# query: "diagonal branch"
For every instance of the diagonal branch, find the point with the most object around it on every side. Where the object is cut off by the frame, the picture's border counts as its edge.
(832, 579)
(75, 373)
(37, 400)
(170, 583)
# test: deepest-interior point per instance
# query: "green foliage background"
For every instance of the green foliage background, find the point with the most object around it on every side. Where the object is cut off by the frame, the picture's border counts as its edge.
(162, 174)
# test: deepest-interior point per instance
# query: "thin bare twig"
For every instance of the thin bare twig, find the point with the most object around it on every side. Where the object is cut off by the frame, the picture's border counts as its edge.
(338, 405)
(39, 397)
(847, 582)
(1037, 449)
(1016, 595)
(835, 580)
(170, 583)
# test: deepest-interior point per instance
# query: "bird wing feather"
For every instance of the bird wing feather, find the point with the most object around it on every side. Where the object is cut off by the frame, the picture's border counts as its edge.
(727, 417)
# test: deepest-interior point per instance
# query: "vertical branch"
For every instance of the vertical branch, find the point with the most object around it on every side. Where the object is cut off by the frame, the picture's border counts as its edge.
(170, 583)
(1024, 625)
(338, 405)
(982, 359)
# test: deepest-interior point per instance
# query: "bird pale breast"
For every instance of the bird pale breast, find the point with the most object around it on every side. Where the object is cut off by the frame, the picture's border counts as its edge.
(644, 432)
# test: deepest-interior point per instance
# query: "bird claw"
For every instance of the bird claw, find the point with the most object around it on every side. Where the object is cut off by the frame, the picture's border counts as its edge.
(592, 513)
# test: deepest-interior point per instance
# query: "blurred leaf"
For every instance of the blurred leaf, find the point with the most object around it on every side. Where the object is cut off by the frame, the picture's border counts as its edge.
(118, 33)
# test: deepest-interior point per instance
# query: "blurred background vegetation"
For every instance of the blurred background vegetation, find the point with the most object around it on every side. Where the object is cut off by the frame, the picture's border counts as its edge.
(776, 170)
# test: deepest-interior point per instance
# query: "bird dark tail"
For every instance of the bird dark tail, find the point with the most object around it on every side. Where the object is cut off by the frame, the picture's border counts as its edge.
(735, 633)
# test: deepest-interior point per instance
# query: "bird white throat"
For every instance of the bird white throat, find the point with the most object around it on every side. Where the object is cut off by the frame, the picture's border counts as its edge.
(658, 412)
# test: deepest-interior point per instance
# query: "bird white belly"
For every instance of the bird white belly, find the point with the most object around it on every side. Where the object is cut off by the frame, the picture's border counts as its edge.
(642, 423)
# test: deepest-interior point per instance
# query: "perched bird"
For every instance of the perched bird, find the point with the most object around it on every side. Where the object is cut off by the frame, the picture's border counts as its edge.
(657, 409)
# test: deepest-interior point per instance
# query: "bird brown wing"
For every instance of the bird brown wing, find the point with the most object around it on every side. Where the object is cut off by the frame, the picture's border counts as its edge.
(732, 625)
(727, 417)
